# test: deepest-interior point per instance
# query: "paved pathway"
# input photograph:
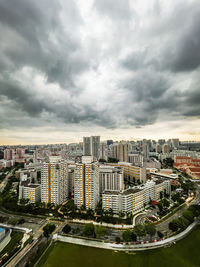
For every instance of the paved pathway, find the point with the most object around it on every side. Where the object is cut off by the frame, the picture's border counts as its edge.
(122, 247)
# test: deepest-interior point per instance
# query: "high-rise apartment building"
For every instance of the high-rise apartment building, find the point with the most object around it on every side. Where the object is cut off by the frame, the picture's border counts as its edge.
(158, 148)
(91, 146)
(134, 199)
(20, 152)
(136, 159)
(120, 151)
(54, 181)
(132, 172)
(111, 178)
(9, 154)
(145, 149)
(103, 151)
(86, 183)
(166, 149)
(86, 146)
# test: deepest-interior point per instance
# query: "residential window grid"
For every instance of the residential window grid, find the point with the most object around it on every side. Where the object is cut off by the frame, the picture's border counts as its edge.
(54, 182)
(132, 202)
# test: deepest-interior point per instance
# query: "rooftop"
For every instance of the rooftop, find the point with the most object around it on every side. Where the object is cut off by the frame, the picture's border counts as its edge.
(125, 192)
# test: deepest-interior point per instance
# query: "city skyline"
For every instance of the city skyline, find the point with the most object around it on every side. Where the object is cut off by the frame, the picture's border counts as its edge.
(116, 69)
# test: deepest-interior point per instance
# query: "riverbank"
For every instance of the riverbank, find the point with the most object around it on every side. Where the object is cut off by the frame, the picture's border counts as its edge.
(125, 247)
(184, 253)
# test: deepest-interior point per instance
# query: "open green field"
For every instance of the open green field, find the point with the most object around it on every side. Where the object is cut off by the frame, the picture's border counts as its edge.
(185, 253)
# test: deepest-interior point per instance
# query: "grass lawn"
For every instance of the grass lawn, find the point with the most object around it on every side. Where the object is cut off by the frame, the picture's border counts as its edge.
(15, 238)
(185, 254)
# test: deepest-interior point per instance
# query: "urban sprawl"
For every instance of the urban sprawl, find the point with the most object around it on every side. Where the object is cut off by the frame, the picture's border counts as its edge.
(123, 176)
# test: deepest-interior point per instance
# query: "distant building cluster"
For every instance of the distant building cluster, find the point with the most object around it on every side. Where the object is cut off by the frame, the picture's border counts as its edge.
(124, 176)
(188, 165)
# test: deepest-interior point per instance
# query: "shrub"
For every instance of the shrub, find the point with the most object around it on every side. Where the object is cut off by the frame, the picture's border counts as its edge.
(127, 235)
(88, 229)
(66, 229)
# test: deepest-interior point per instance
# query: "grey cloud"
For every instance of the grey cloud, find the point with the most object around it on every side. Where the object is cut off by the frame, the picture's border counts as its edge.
(24, 99)
(115, 9)
(181, 52)
(135, 60)
(145, 91)
(40, 40)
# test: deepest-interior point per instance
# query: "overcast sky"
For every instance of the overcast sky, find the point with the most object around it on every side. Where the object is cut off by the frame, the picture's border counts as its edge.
(119, 69)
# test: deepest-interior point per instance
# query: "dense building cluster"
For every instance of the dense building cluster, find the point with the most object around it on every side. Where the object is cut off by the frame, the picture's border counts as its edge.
(124, 176)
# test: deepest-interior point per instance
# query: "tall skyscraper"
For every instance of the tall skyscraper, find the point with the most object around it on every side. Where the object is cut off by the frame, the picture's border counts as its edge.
(20, 152)
(86, 146)
(9, 154)
(120, 151)
(54, 180)
(86, 183)
(145, 149)
(166, 149)
(103, 151)
(91, 146)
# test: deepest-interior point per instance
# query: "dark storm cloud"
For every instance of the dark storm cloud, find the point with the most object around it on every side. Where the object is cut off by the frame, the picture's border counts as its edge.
(38, 39)
(24, 99)
(181, 52)
(141, 62)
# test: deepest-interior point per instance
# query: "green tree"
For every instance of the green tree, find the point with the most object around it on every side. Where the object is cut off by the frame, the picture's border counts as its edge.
(150, 229)
(133, 236)
(66, 228)
(188, 215)
(173, 226)
(113, 160)
(102, 160)
(117, 239)
(48, 229)
(126, 235)
(160, 206)
(139, 230)
(161, 195)
(160, 234)
(21, 221)
(182, 223)
(165, 203)
(100, 231)
(88, 229)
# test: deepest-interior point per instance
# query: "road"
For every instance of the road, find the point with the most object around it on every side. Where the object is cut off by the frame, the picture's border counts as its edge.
(21, 254)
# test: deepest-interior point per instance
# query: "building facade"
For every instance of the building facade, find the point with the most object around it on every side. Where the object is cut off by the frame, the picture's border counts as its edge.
(91, 146)
(135, 199)
(111, 178)
(54, 181)
(86, 183)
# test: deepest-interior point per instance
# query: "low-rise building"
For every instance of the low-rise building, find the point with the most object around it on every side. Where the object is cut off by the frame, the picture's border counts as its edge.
(30, 191)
